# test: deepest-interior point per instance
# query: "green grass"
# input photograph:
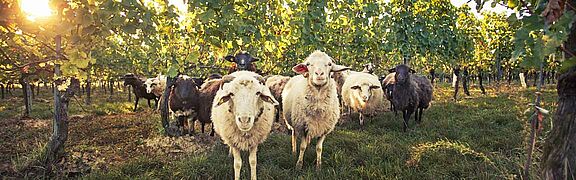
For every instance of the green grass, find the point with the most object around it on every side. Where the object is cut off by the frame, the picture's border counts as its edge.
(477, 137)
(42, 106)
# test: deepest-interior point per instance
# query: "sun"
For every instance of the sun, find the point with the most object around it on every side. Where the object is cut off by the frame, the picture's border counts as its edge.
(35, 8)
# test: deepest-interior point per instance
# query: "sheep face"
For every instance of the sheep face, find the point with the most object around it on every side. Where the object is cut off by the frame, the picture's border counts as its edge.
(245, 96)
(317, 68)
(184, 87)
(402, 73)
(243, 60)
(130, 79)
(364, 91)
(151, 83)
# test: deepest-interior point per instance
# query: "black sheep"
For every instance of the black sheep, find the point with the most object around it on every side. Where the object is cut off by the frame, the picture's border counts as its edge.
(243, 61)
(410, 93)
(183, 101)
(139, 89)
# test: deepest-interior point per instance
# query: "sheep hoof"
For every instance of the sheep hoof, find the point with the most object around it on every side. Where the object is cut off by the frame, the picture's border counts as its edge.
(299, 165)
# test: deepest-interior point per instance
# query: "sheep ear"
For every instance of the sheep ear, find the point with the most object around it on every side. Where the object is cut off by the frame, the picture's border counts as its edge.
(300, 68)
(261, 79)
(226, 79)
(392, 70)
(224, 99)
(412, 71)
(338, 68)
(255, 59)
(269, 99)
(230, 58)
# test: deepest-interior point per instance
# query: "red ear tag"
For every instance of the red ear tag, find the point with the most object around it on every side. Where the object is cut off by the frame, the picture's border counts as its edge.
(301, 68)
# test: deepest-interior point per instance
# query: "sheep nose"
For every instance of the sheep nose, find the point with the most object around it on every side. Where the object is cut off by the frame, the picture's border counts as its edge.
(365, 98)
(320, 73)
(244, 119)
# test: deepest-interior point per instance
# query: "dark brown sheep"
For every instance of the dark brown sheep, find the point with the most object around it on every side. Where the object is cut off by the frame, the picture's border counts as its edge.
(137, 83)
(206, 94)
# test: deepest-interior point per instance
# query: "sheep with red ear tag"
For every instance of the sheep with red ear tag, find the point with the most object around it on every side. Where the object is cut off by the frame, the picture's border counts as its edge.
(310, 103)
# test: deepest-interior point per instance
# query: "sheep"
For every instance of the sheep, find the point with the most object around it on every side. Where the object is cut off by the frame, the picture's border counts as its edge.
(214, 76)
(362, 92)
(243, 113)
(207, 93)
(156, 85)
(139, 89)
(408, 95)
(310, 103)
(243, 61)
(424, 95)
(388, 86)
(276, 84)
(183, 101)
(340, 78)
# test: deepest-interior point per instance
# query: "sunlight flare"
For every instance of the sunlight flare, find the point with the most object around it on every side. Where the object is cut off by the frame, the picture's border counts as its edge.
(35, 8)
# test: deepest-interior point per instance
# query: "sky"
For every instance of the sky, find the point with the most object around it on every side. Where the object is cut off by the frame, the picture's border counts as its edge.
(487, 7)
(458, 3)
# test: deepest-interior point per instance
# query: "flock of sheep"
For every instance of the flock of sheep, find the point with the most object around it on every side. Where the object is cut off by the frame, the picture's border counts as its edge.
(243, 105)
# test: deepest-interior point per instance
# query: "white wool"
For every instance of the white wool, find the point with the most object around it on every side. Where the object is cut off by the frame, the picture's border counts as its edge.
(389, 79)
(224, 119)
(353, 97)
(310, 103)
(156, 85)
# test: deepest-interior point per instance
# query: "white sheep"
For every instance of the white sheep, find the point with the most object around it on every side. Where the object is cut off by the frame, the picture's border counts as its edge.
(276, 85)
(363, 94)
(311, 107)
(156, 85)
(242, 114)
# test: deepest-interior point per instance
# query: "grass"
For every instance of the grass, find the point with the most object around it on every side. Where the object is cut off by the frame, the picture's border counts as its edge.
(476, 137)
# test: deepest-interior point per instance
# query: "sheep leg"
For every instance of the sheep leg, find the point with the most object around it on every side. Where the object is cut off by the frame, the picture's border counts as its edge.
(406, 118)
(319, 152)
(293, 140)
(420, 115)
(252, 160)
(180, 124)
(416, 115)
(203, 124)
(237, 162)
(136, 104)
(186, 126)
(156, 104)
(361, 117)
(192, 126)
(303, 146)
(149, 105)
(212, 133)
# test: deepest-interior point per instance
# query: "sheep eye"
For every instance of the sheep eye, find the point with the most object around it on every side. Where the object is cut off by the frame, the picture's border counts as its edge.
(374, 87)
(307, 64)
(355, 87)
(329, 64)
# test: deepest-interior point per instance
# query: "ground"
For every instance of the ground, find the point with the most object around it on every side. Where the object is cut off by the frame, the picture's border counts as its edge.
(478, 137)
